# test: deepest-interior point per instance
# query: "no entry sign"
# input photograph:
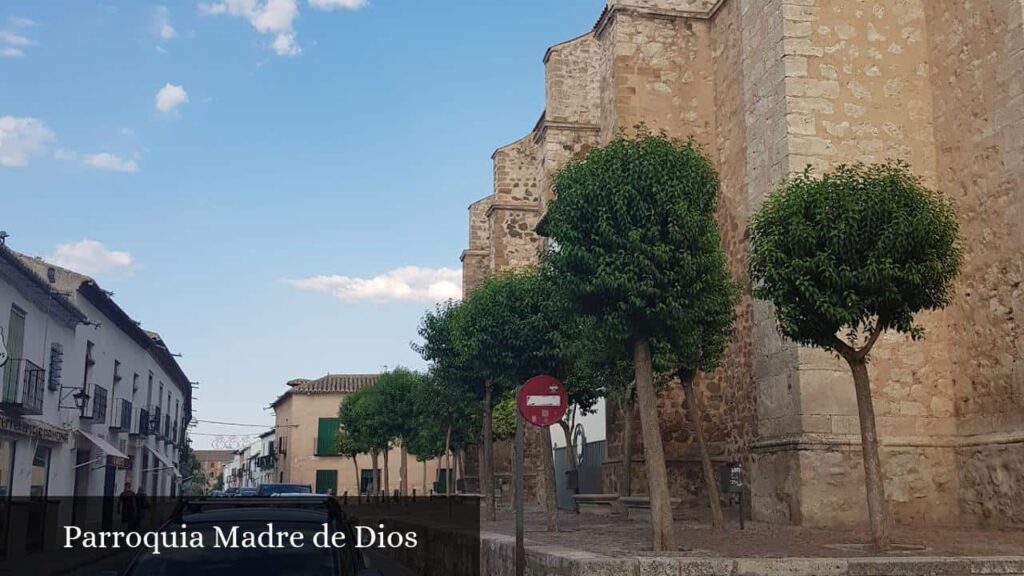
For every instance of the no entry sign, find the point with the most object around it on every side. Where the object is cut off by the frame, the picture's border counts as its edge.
(542, 401)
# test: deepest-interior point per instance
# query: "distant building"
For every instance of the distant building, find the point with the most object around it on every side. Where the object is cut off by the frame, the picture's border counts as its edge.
(306, 423)
(211, 466)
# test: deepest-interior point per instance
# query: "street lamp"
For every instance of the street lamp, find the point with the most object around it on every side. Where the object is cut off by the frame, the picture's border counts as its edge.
(81, 399)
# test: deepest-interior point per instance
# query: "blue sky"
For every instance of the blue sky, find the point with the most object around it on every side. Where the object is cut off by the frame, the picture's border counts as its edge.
(252, 178)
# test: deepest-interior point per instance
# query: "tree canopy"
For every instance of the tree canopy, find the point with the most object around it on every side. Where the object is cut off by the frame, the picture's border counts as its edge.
(859, 250)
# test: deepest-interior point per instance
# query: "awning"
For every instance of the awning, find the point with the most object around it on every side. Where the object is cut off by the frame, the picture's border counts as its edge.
(114, 457)
(165, 461)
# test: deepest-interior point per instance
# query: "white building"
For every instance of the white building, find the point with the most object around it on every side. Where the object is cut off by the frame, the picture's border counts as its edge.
(133, 424)
(42, 367)
(89, 400)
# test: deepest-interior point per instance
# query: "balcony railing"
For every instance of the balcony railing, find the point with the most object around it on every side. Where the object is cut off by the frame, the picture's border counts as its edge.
(154, 421)
(140, 423)
(96, 405)
(121, 418)
(23, 387)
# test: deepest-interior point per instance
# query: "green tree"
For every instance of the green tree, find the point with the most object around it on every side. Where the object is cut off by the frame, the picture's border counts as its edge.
(629, 221)
(363, 417)
(347, 446)
(508, 330)
(847, 256)
(447, 419)
(396, 389)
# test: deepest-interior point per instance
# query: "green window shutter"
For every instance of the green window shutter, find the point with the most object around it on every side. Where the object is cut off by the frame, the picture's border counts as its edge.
(326, 480)
(326, 430)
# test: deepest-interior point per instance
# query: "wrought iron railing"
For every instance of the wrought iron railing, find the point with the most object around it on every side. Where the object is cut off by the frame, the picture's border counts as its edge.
(96, 405)
(121, 418)
(23, 386)
(140, 422)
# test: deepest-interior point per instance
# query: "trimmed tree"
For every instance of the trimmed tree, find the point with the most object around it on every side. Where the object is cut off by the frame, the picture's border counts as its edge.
(847, 256)
(396, 389)
(509, 330)
(627, 220)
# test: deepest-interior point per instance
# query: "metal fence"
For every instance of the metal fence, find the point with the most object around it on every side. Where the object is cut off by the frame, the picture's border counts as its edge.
(589, 473)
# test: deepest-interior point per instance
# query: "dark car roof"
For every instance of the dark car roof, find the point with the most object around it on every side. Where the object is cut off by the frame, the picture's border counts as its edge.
(256, 514)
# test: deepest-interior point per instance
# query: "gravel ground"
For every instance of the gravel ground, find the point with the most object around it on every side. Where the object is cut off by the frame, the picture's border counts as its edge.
(613, 536)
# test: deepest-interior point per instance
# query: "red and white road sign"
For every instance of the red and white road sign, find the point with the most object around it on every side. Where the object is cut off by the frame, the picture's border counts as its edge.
(542, 400)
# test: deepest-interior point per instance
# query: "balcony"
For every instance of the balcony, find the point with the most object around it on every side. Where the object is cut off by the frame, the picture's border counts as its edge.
(23, 387)
(154, 421)
(96, 405)
(121, 418)
(140, 423)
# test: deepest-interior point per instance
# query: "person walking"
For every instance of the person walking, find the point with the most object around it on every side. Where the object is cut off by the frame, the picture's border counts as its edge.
(127, 507)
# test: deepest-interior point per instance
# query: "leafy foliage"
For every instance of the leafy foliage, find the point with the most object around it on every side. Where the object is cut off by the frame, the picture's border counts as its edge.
(635, 241)
(505, 418)
(861, 249)
(440, 408)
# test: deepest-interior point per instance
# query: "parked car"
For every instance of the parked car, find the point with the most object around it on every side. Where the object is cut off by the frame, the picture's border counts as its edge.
(272, 489)
(247, 492)
(306, 515)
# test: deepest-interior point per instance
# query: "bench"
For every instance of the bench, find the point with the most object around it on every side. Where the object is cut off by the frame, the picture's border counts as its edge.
(599, 504)
(639, 507)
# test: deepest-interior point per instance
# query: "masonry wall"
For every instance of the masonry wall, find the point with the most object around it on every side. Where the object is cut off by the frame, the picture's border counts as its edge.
(767, 88)
(977, 75)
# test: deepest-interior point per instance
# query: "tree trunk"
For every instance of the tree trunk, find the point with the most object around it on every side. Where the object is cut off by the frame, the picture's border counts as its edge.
(355, 465)
(570, 459)
(424, 477)
(403, 485)
(456, 468)
(487, 465)
(714, 498)
(448, 459)
(626, 486)
(662, 537)
(547, 459)
(570, 449)
(374, 475)
(387, 475)
(878, 511)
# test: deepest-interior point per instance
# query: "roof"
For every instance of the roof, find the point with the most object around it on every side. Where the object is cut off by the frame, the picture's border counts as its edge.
(73, 282)
(328, 384)
(214, 455)
(33, 285)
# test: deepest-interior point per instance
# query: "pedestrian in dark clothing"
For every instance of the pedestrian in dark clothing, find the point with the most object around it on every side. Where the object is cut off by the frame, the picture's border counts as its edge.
(141, 504)
(127, 506)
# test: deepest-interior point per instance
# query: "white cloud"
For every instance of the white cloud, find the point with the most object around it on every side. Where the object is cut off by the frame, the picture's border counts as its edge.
(170, 97)
(162, 23)
(12, 37)
(21, 139)
(100, 160)
(405, 284)
(332, 4)
(266, 16)
(91, 258)
(111, 162)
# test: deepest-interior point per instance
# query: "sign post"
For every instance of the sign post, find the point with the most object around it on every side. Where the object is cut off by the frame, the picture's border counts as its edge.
(542, 401)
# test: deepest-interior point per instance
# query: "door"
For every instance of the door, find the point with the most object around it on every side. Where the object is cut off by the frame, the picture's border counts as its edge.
(326, 480)
(15, 345)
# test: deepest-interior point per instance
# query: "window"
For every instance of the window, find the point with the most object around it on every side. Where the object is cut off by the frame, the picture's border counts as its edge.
(15, 341)
(88, 362)
(40, 472)
(327, 428)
